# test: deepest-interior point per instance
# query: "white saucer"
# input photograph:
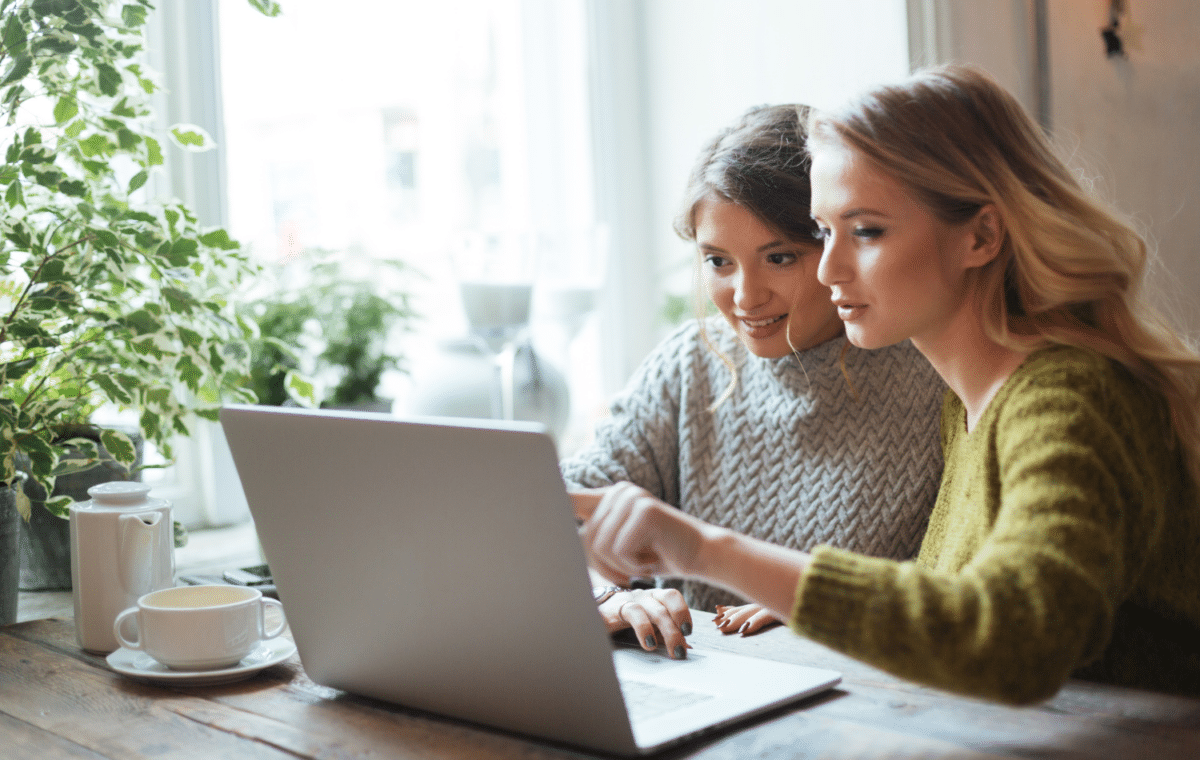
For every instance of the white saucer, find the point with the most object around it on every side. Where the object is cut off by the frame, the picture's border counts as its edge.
(136, 664)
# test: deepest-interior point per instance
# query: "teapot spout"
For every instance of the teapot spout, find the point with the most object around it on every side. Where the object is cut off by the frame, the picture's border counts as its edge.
(139, 548)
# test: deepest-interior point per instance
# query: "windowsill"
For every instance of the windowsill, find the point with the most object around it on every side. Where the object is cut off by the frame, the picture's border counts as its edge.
(211, 550)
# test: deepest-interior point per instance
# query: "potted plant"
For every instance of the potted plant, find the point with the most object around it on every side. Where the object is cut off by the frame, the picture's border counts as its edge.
(106, 297)
(323, 321)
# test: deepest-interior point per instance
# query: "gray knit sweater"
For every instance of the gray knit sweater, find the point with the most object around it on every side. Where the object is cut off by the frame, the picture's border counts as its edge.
(794, 457)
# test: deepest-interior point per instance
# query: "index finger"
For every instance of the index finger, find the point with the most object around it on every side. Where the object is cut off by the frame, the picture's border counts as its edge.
(585, 501)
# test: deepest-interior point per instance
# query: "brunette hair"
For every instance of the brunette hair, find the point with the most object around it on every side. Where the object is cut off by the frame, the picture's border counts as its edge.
(1069, 271)
(761, 164)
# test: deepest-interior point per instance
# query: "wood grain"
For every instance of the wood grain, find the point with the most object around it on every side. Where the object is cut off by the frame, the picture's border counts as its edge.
(59, 702)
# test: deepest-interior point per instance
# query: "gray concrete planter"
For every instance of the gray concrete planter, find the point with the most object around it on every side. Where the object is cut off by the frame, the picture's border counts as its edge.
(46, 539)
(10, 557)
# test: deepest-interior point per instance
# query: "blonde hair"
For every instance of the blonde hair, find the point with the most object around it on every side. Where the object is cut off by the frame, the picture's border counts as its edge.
(759, 163)
(1070, 271)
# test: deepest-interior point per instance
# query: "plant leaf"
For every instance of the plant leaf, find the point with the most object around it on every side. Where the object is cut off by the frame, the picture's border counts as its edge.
(138, 180)
(266, 7)
(301, 390)
(114, 391)
(21, 65)
(109, 79)
(59, 506)
(189, 372)
(120, 446)
(154, 155)
(219, 239)
(14, 34)
(65, 109)
(133, 15)
(192, 138)
(24, 506)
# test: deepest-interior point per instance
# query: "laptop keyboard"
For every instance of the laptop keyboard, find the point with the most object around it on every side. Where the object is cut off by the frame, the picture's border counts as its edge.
(645, 700)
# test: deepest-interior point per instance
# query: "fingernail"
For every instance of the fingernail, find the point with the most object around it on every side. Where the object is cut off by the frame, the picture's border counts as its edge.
(650, 642)
(744, 627)
(686, 629)
(680, 652)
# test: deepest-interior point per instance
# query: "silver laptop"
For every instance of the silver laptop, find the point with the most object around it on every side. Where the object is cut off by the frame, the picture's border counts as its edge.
(436, 564)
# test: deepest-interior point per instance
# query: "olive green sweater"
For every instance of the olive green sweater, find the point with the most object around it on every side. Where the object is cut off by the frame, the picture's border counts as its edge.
(1065, 540)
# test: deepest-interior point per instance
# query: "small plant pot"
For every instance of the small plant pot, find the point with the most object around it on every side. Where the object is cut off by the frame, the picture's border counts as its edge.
(10, 557)
(46, 538)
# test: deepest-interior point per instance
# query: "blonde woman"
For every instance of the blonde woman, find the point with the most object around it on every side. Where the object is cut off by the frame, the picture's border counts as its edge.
(1066, 536)
(764, 419)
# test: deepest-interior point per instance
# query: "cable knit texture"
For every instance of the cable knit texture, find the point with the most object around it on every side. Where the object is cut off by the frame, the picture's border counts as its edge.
(793, 457)
(1065, 539)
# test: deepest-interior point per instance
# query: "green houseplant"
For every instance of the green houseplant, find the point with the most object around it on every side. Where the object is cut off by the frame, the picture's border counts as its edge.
(106, 297)
(329, 324)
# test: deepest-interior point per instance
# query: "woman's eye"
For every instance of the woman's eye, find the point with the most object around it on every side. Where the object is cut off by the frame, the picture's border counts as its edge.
(781, 259)
(716, 262)
(869, 233)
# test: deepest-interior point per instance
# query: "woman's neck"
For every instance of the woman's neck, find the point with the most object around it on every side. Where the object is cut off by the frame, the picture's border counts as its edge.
(972, 364)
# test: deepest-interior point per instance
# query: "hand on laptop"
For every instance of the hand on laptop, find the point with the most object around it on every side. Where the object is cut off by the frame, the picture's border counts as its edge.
(744, 619)
(629, 533)
(657, 616)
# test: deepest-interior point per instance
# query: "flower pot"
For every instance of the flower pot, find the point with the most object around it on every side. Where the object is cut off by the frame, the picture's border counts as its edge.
(10, 557)
(46, 539)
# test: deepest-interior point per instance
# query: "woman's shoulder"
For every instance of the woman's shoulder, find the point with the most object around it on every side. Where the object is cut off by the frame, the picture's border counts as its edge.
(1069, 376)
(1072, 368)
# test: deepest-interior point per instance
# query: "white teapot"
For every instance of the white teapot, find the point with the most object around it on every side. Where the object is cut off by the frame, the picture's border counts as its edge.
(122, 546)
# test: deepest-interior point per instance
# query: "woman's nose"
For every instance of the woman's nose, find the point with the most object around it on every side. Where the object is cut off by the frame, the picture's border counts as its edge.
(750, 291)
(834, 266)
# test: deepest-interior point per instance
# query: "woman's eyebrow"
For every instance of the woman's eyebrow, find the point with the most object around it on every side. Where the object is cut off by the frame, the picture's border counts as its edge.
(852, 213)
(765, 247)
(862, 211)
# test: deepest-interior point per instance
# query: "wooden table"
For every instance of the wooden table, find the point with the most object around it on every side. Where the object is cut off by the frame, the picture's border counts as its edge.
(58, 702)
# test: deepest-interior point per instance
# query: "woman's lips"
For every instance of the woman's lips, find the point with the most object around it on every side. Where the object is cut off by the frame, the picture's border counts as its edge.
(757, 328)
(851, 311)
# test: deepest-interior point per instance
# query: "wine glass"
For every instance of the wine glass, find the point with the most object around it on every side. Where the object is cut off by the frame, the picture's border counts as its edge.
(573, 263)
(496, 273)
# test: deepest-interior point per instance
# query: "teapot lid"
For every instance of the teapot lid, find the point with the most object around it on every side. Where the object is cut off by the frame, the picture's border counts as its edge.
(118, 492)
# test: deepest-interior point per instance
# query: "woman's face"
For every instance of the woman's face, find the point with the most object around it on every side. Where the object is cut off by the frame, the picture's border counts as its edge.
(895, 270)
(764, 284)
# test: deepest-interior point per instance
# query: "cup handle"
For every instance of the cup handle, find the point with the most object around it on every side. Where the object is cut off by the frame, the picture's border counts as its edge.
(117, 624)
(266, 600)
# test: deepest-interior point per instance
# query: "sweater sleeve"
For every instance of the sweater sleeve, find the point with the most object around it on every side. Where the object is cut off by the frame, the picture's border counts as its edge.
(1077, 507)
(639, 440)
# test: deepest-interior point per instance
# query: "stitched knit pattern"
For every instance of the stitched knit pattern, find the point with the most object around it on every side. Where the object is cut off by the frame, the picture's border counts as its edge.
(793, 457)
(1065, 539)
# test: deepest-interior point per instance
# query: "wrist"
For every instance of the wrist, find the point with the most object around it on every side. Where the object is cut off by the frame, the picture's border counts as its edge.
(714, 548)
(601, 594)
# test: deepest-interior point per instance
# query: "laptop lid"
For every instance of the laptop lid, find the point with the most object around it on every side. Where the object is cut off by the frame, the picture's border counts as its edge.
(436, 563)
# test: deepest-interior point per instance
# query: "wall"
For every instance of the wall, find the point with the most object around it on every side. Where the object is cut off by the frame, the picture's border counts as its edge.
(1131, 124)
(1137, 120)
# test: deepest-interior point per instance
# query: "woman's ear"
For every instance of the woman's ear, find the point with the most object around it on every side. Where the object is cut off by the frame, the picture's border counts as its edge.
(987, 231)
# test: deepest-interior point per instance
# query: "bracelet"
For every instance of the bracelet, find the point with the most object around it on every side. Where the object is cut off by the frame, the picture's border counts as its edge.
(601, 594)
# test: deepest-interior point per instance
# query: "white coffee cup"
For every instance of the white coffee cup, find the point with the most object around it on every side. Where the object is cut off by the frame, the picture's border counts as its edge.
(199, 627)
